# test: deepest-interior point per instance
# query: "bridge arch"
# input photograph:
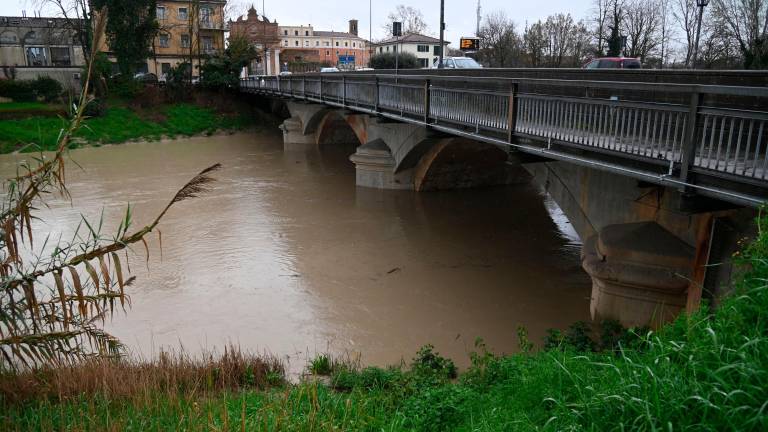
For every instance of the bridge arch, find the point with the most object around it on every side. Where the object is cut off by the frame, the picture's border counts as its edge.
(332, 127)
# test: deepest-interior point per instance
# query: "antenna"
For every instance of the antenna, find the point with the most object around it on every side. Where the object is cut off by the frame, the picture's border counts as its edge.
(479, 18)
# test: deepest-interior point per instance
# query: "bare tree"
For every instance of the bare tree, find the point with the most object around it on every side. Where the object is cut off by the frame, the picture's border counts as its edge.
(746, 23)
(601, 21)
(686, 15)
(559, 31)
(77, 15)
(500, 46)
(412, 19)
(642, 26)
(535, 43)
(582, 48)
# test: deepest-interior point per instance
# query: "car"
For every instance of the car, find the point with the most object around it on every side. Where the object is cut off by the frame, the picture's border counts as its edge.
(614, 63)
(286, 73)
(458, 63)
(146, 78)
(329, 69)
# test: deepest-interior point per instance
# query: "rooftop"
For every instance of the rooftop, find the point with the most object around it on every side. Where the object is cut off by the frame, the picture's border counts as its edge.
(411, 38)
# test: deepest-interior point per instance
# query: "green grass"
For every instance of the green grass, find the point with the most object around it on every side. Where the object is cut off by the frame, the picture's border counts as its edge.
(705, 372)
(27, 106)
(118, 125)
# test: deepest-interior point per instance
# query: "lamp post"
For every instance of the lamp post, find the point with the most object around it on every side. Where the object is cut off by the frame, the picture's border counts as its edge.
(442, 33)
(701, 4)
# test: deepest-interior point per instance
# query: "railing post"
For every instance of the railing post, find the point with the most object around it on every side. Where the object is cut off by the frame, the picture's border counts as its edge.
(344, 91)
(376, 95)
(688, 157)
(427, 101)
(512, 114)
(321, 88)
(304, 86)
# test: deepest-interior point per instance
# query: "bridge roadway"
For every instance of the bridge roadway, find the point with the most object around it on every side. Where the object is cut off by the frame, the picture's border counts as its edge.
(709, 139)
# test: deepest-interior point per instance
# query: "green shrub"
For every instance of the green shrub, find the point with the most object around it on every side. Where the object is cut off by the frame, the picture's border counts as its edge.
(389, 60)
(17, 90)
(429, 362)
(321, 365)
(46, 88)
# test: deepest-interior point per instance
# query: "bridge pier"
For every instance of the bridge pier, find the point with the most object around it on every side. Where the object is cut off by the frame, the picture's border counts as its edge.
(375, 168)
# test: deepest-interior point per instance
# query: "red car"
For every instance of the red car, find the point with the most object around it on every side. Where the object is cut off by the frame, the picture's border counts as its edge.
(614, 63)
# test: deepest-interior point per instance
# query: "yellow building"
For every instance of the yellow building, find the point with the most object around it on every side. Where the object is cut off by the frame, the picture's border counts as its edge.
(189, 30)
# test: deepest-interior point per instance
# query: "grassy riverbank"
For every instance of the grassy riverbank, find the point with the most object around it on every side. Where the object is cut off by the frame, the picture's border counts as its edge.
(703, 372)
(119, 123)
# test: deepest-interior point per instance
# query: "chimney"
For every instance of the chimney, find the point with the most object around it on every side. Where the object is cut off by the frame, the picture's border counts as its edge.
(353, 27)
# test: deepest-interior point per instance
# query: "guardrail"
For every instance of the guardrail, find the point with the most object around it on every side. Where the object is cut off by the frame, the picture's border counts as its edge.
(697, 131)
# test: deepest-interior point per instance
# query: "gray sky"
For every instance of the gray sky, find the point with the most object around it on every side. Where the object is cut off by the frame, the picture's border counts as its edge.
(333, 15)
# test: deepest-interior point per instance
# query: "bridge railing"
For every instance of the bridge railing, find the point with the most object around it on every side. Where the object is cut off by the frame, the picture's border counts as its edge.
(694, 129)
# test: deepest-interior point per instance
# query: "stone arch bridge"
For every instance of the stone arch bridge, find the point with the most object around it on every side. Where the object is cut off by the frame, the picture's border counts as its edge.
(659, 180)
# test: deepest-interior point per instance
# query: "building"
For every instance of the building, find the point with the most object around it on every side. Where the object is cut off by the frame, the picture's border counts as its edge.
(37, 46)
(425, 48)
(264, 36)
(302, 44)
(189, 31)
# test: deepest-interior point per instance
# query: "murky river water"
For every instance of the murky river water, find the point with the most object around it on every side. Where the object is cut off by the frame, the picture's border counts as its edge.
(288, 256)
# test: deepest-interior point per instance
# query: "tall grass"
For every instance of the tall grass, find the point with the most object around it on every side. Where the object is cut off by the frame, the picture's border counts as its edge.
(704, 372)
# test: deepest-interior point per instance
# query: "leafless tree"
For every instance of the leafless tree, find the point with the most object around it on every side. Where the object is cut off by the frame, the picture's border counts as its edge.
(601, 21)
(76, 13)
(535, 43)
(746, 23)
(412, 19)
(500, 46)
(559, 31)
(685, 14)
(583, 48)
(642, 26)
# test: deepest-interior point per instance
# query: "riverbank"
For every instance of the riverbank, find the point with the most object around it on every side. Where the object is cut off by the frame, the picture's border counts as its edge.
(120, 123)
(703, 372)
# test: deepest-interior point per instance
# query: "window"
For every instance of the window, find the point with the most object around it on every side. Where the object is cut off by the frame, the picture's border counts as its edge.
(285, 42)
(354, 45)
(165, 68)
(297, 43)
(317, 43)
(437, 50)
(387, 49)
(207, 43)
(337, 52)
(394, 48)
(295, 32)
(205, 15)
(185, 41)
(161, 12)
(327, 43)
(183, 15)
(381, 49)
(424, 63)
(285, 32)
(8, 37)
(306, 43)
(327, 53)
(337, 44)
(346, 44)
(422, 48)
(36, 56)
(60, 56)
(165, 41)
(306, 33)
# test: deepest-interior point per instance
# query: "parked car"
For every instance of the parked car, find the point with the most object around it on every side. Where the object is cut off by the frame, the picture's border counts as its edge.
(286, 73)
(329, 69)
(614, 63)
(458, 63)
(146, 78)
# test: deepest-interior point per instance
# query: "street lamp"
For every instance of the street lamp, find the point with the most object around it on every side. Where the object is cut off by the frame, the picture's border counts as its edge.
(701, 4)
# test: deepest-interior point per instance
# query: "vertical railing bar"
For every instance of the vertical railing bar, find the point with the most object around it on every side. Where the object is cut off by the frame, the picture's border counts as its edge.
(757, 150)
(712, 134)
(745, 164)
(738, 146)
(730, 143)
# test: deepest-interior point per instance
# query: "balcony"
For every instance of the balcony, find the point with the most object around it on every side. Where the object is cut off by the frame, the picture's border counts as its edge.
(212, 25)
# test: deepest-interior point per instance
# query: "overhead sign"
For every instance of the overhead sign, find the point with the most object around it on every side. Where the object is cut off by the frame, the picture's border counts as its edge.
(469, 44)
(346, 59)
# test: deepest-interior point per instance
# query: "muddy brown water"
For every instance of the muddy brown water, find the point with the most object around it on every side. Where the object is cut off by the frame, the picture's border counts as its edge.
(287, 256)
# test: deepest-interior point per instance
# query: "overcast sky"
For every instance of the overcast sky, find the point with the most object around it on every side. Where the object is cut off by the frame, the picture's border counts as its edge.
(334, 14)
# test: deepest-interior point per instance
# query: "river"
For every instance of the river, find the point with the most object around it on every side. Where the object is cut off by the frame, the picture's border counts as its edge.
(288, 257)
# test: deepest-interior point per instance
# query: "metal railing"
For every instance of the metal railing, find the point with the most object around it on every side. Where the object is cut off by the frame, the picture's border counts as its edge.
(696, 130)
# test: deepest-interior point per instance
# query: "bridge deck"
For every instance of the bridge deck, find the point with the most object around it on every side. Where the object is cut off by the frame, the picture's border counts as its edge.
(712, 139)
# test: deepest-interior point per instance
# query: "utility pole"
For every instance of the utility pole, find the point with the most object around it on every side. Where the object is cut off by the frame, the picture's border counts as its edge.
(442, 33)
(479, 18)
(701, 4)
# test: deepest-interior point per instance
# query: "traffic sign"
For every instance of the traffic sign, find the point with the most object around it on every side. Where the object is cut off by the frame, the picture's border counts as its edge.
(469, 44)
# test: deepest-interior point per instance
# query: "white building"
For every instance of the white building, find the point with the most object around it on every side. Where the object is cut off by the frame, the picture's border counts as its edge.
(425, 48)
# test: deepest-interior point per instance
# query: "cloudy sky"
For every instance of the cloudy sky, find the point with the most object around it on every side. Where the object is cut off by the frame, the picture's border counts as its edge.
(334, 14)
